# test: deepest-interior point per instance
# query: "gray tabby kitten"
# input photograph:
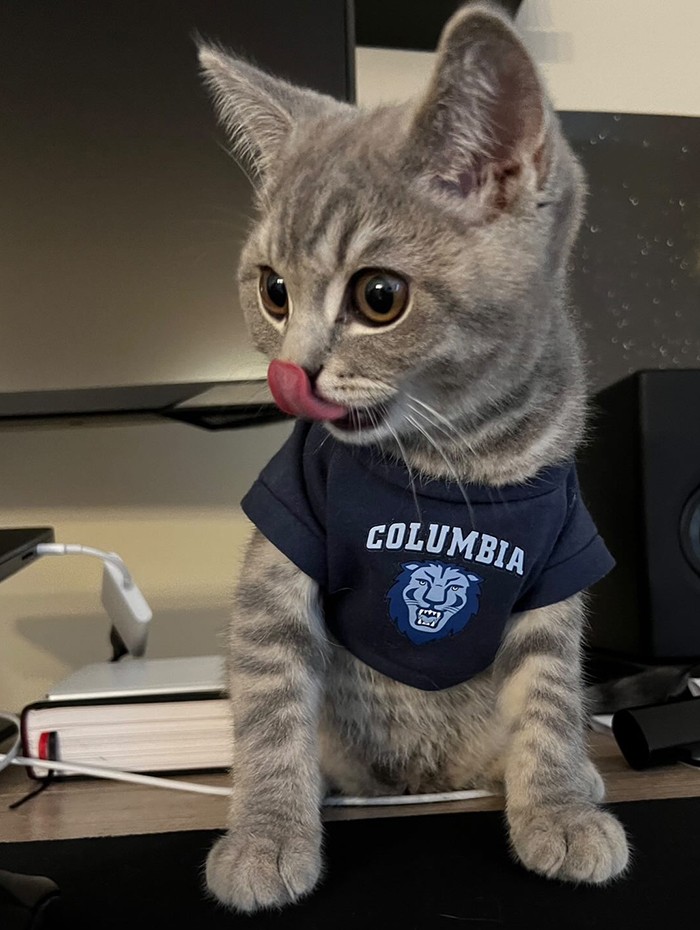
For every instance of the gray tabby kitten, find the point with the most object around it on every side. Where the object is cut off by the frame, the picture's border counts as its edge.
(472, 195)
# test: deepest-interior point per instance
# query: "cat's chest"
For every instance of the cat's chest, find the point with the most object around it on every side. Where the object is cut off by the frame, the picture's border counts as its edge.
(420, 580)
(421, 587)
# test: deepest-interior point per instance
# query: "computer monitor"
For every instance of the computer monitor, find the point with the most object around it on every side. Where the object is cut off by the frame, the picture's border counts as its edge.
(122, 212)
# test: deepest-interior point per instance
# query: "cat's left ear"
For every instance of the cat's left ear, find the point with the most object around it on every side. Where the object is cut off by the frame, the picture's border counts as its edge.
(257, 110)
(482, 123)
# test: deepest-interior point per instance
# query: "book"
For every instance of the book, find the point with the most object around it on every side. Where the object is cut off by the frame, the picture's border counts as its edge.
(168, 733)
(147, 715)
(140, 715)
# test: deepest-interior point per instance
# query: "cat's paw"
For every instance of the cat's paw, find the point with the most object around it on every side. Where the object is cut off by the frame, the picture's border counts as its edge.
(576, 844)
(250, 872)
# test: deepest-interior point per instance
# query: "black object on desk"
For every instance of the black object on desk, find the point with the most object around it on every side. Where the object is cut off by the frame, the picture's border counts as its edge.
(28, 902)
(660, 734)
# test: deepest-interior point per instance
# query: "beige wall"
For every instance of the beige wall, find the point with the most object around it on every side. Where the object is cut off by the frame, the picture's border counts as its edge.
(626, 56)
(166, 496)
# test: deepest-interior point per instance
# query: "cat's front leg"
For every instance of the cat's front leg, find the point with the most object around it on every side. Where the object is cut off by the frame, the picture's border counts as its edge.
(555, 826)
(271, 854)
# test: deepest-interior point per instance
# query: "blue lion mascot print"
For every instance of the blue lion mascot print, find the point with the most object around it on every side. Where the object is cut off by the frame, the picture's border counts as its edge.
(432, 600)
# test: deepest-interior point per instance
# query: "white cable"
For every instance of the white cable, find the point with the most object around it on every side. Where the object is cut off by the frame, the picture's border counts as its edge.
(99, 771)
(466, 795)
(124, 603)
(73, 549)
(12, 757)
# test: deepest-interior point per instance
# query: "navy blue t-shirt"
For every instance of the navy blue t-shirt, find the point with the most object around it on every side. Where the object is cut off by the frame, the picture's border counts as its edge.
(421, 587)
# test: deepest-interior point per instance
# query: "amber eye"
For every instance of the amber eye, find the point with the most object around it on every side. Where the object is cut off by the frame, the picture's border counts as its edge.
(273, 292)
(379, 296)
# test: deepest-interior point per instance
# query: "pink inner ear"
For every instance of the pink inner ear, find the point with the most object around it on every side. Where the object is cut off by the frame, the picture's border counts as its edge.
(465, 182)
(293, 393)
(485, 110)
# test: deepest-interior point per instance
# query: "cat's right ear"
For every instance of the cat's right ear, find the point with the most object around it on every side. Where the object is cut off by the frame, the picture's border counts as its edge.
(482, 126)
(257, 110)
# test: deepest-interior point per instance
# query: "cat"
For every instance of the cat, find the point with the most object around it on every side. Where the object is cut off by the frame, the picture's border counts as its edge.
(406, 275)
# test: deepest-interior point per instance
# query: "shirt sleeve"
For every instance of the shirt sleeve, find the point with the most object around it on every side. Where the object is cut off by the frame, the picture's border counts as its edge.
(579, 557)
(281, 507)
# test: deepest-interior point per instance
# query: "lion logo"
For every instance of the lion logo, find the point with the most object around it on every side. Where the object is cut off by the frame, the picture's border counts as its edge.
(432, 600)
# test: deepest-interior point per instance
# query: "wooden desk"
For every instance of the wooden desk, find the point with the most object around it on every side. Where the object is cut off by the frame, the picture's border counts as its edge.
(97, 808)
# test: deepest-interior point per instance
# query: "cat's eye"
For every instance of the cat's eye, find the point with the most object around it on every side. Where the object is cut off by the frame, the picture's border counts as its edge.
(380, 297)
(421, 582)
(273, 293)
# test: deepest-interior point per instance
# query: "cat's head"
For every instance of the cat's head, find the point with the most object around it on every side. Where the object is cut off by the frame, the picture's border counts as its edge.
(406, 267)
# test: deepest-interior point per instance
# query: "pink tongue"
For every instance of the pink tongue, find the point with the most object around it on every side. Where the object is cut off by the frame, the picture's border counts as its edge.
(291, 388)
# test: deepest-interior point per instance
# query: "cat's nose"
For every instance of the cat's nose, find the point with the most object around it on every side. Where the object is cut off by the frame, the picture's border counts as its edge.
(293, 392)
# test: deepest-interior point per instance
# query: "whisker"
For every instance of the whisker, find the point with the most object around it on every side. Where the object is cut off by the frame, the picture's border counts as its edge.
(447, 424)
(323, 441)
(355, 418)
(411, 475)
(428, 420)
(447, 462)
(436, 413)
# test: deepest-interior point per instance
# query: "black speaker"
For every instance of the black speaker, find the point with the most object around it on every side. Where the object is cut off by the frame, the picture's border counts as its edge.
(640, 476)
(659, 734)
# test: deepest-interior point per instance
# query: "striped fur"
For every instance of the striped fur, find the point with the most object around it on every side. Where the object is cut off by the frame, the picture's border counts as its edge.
(474, 196)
